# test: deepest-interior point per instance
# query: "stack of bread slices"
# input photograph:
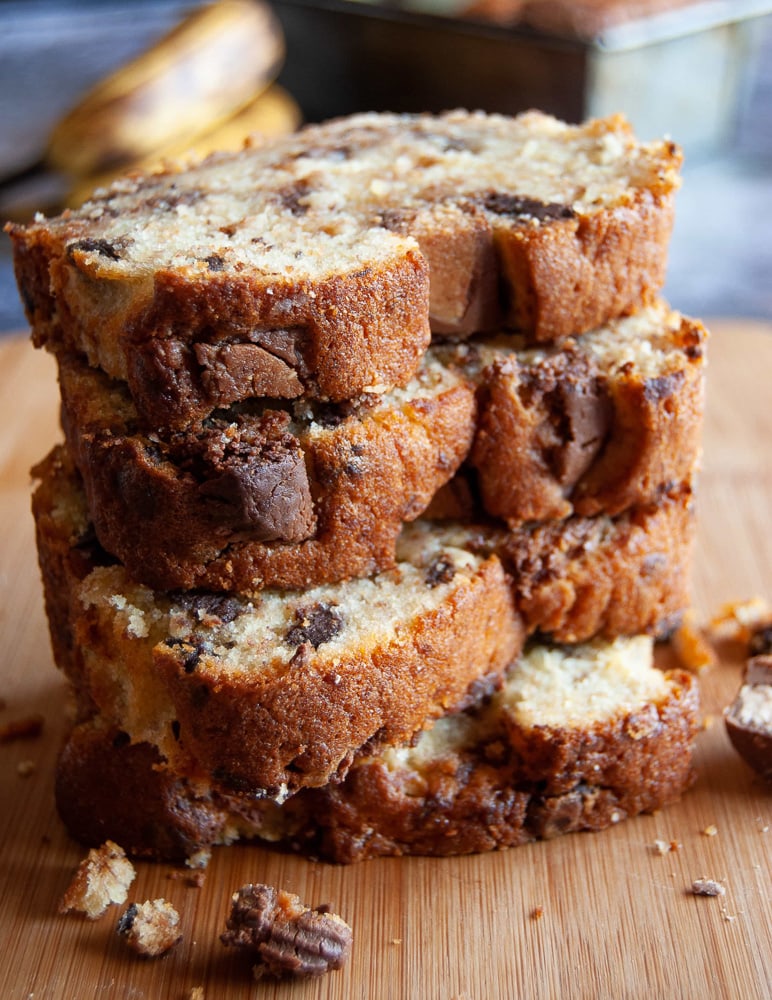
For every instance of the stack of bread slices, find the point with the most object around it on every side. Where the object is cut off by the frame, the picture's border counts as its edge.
(376, 488)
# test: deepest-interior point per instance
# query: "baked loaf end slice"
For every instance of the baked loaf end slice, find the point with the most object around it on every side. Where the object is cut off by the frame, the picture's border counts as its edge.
(312, 264)
(260, 494)
(278, 692)
(578, 738)
(600, 425)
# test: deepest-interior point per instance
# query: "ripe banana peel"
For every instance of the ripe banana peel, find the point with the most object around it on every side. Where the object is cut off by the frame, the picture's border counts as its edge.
(273, 112)
(199, 74)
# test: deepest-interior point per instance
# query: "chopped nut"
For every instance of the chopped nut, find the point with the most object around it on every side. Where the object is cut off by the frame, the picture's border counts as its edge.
(707, 887)
(150, 928)
(102, 878)
(286, 936)
(710, 831)
(28, 728)
(25, 768)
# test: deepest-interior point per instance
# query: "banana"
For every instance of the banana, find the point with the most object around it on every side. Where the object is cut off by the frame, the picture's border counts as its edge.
(273, 112)
(203, 71)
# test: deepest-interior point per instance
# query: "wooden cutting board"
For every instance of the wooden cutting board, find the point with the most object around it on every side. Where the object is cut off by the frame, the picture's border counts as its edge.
(617, 918)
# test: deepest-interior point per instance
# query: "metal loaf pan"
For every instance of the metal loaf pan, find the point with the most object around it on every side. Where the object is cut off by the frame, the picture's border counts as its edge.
(686, 72)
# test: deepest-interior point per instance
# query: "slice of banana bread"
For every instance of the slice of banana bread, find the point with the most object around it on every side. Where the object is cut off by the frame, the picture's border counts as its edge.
(303, 265)
(260, 494)
(598, 426)
(278, 692)
(578, 738)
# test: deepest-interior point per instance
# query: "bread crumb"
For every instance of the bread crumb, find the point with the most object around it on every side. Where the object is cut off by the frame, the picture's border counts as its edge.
(691, 647)
(25, 768)
(537, 913)
(28, 728)
(150, 928)
(666, 846)
(710, 831)
(708, 722)
(197, 993)
(200, 859)
(396, 940)
(195, 879)
(103, 877)
(707, 887)
(738, 619)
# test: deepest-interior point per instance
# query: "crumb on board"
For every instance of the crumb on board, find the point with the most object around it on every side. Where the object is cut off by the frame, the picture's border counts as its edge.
(537, 913)
(739, 619)
(690, 645)
(711, 830)
(283, 935)
(665, 846)
(151, 928)
(25, 768)
(704, 886)
(196, 993)
(195, 878)
(199, 859)
(103, 877)
(28, 728)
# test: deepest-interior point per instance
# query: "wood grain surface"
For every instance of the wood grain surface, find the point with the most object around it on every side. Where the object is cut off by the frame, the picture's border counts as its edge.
(618, 920)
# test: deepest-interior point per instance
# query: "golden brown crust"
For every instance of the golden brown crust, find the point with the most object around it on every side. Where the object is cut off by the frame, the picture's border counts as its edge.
(578, 273)
(266, 499)
(301, 728)
(344, 257)
(484, 797)
(610, 576)
(255, 717)
(571, 434)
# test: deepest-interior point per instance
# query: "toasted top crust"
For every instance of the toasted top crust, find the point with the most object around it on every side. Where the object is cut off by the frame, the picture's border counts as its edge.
(261, 239)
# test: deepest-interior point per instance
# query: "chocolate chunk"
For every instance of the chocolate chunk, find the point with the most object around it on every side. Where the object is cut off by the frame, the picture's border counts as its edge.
(89, 245)
(211, 610)
(749, 717)
(230, 372)
(315, 625)
(441, 570)
(585, 417)
(267, 494)
(286, 937)
(517, 206)
(189, 653)
(760, 642)
(215, 262)
(291, 197)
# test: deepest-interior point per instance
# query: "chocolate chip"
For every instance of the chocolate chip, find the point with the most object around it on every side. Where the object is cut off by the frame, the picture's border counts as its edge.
(760, 643)
(121, 739)
(441, 570)
(190, 653)
(315, 625)
(211, 609)
(90, 245)
(215, 262)
(519, 206)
